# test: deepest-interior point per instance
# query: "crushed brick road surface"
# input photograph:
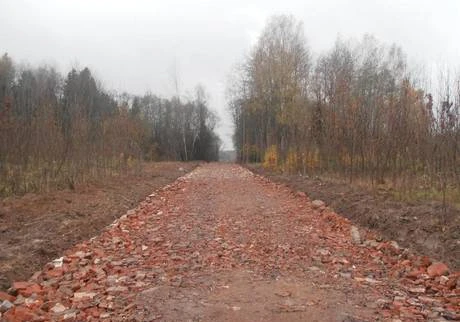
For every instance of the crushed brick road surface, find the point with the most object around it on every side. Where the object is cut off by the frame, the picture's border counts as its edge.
(222, 244)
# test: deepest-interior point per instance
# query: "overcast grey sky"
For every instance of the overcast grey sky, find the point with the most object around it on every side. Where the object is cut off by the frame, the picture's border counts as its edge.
(133, 45)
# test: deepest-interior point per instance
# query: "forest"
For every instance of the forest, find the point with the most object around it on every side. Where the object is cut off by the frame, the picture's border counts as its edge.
(359, 110)
(57, 131)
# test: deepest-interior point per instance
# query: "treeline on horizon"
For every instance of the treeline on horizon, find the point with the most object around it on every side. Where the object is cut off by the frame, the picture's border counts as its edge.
(58, 131)
(357, 110)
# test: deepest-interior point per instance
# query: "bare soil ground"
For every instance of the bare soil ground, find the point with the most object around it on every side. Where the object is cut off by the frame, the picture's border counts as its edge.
(422, 226)
(36, 228)
(223, 244)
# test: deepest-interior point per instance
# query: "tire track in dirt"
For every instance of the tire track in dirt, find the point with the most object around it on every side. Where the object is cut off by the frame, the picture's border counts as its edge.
(221, 244)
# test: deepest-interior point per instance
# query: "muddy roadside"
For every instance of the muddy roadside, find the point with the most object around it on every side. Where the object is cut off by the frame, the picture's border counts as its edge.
(421, 226)
(36, 228)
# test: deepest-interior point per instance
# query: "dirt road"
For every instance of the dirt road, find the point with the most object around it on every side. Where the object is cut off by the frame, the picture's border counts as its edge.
(222, 244)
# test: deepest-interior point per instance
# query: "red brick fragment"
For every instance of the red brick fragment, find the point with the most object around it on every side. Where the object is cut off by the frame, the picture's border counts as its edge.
(56, 272)
(19, 314)
(415, 273)
(437, 269)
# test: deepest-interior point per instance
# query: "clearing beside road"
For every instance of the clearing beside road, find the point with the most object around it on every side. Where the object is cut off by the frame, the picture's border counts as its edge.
(36, 228)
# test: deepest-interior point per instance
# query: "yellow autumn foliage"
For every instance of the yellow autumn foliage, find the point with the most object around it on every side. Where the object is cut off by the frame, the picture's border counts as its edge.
(271, 158)
(292, 163)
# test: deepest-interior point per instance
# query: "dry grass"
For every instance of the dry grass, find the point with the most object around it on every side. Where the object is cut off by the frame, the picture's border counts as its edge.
(415, 189)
